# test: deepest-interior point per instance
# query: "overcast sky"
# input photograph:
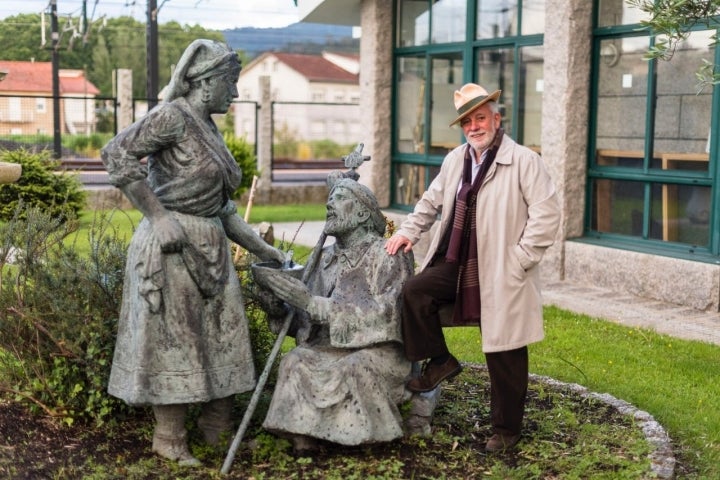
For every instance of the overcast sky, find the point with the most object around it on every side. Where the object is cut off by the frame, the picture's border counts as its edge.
(210, 14)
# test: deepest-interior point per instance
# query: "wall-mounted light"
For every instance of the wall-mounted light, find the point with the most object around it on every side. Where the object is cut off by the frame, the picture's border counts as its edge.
(609, 54)
(3, 74)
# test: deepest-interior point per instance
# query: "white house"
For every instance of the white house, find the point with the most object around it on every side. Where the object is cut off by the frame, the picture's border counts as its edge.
(314, 97)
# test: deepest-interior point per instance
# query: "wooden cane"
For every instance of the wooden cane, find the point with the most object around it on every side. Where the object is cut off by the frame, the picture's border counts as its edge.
(312, 262)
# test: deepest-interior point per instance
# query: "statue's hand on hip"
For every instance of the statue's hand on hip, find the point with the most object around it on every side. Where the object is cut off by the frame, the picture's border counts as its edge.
(170, 234)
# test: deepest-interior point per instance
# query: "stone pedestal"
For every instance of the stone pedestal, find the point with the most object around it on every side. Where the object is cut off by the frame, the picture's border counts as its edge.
(9, 172)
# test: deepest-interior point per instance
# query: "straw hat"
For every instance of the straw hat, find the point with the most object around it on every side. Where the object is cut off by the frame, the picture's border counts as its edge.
(470, 97)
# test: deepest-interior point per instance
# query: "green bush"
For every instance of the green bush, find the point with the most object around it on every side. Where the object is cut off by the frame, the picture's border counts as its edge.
(261, 337)
(59, 311)
(243, 153)
(328, 149)
(87, 144)
(58, 315)
(59, 195)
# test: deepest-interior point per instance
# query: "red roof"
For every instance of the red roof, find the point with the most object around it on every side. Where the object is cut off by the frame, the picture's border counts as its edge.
(36, 77)
(315, 68)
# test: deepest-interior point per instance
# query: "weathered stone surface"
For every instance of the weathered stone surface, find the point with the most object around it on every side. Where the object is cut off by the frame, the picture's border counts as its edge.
(345, 379)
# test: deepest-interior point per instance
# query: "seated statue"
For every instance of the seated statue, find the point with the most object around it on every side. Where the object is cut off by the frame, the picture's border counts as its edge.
(345, 378)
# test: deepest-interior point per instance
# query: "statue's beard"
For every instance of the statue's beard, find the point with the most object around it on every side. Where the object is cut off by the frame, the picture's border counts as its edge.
(337, 226)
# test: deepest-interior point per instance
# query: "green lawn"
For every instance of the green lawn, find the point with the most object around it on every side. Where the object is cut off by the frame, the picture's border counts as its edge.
(676, 381)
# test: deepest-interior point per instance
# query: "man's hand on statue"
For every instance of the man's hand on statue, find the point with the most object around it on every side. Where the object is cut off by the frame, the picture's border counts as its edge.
(292, 291)
(170, 234)
(396, 242)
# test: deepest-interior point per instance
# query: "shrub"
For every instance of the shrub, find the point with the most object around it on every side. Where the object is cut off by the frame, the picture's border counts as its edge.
(323, 149)
(59, 195)
(243, 153)
(58, 315)
(87, 144)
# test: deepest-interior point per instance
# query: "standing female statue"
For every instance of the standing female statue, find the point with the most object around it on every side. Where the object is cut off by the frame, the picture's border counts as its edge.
(182, 334)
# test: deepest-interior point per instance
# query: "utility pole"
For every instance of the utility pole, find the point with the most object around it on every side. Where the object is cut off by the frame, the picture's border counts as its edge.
(152, 53)
(55, 37)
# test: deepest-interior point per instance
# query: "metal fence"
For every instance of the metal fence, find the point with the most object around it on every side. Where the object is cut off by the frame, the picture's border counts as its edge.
(306, 136)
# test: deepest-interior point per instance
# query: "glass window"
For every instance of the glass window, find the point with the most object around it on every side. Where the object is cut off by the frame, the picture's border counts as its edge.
(681, 213)
(446, 78)
(651, 136)
(619, 206)
(411, 180)
(533, 17)
(15, 112)
(677, 213)
(530, 97)
(414, 19)
(434, 41)
(448, 21)
(410, 104)
(618, 12)
(682, 115)
(496, 18)
(495, 71)
(621, 102)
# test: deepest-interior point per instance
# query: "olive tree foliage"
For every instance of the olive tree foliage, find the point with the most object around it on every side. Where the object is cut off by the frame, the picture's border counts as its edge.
(672, 21)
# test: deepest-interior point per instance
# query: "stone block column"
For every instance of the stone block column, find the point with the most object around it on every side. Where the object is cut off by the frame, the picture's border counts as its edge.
(264, 139)
(124, 98)
(567, 50)
(376, 46)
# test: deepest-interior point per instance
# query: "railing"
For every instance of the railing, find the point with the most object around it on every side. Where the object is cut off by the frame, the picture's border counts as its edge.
(309, 138)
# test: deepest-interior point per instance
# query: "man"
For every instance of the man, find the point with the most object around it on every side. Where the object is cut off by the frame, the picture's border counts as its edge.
(344, 380)
(498, 214)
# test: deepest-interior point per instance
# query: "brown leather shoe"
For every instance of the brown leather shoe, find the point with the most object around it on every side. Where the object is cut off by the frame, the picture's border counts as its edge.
(434, 374)
(499, 442)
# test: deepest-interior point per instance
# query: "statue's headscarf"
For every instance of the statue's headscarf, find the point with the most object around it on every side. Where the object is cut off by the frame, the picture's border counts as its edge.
(201, 59)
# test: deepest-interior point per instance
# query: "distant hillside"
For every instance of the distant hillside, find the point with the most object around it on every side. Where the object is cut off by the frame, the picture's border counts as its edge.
(295, 38)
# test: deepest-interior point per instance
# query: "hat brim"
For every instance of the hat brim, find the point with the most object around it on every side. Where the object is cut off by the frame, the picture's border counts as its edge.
(476, 103)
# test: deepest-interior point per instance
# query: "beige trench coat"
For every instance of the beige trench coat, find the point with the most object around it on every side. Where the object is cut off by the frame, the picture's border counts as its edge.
(518, 215)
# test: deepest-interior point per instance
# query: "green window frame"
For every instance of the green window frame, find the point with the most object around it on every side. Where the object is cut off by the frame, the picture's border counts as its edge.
(430, 62)
(652, 183)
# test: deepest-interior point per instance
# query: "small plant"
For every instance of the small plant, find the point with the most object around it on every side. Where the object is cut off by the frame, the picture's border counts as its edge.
(89, 145)
(242, 151)
(59, 195)
(285, 142)
(59, 314)
(59, 310)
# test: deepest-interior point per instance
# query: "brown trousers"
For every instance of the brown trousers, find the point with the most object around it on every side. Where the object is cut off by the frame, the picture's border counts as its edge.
(423, 295)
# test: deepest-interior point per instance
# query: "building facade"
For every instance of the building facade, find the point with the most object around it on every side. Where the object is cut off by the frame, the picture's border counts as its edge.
(26, 100)
(314, 97)
(631, 143)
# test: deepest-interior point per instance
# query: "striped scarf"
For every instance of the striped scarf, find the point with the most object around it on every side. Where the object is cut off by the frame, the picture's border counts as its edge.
(462, 247)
